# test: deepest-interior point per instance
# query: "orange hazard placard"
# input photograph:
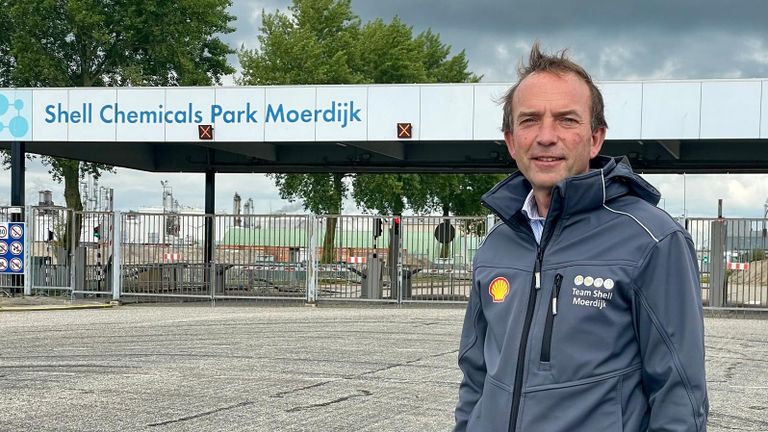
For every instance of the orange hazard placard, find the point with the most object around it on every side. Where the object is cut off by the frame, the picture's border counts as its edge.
(499, 289)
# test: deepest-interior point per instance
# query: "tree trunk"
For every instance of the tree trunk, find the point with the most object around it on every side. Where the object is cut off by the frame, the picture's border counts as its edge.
(329, 252)
(445, 248)
(70, 171)
(330, 235)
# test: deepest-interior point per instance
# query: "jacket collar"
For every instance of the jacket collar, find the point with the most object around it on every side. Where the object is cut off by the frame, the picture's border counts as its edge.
(607, 179)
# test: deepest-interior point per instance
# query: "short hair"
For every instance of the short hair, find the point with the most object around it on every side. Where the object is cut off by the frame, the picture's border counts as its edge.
(560, 64)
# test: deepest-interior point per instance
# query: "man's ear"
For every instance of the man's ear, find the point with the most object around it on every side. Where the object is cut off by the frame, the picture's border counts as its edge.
(598, 137)
(509, 139)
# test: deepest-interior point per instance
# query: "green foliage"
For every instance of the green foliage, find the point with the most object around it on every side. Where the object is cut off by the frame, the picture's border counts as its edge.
(5, 46)
(330, 186)
(324, 42)
(757, 255)
(452, 194)
(86, 43)
(383, 193)
(308, 45)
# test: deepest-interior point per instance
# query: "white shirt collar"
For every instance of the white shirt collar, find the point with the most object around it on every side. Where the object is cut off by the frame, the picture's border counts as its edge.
(530, 209)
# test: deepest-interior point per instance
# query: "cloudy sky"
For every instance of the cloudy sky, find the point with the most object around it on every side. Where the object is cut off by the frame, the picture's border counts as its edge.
(615, 40)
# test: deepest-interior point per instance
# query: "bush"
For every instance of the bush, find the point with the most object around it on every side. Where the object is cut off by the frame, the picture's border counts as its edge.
(757, 255)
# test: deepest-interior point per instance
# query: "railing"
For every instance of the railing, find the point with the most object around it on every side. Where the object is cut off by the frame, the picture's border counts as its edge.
(345, 258)
(732, 259)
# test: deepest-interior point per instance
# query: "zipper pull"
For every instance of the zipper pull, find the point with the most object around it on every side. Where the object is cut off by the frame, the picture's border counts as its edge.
(537, 268)
(556, 294)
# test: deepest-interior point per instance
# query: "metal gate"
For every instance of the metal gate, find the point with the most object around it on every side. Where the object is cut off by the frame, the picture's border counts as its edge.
(50, 244)
(732, 260)
(163, 255)
(436, 256)
(353, 258)
(261, 256)
(92, 253)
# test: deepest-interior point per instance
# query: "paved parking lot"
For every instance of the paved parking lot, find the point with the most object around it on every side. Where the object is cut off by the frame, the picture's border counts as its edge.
(202, 368)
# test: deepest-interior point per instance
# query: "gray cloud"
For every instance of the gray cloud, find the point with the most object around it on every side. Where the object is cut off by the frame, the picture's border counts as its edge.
(651, 39)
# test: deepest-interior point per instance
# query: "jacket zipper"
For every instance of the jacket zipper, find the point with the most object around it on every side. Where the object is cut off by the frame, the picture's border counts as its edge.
(535, 285)
(518, 390)
(546, 344)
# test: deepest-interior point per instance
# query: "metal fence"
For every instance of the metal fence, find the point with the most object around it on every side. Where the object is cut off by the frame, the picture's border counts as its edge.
(261, 256)
(152, 256)
(732, 260)
(436, 256)
(50, 248)
(162, 255)
(353, 256)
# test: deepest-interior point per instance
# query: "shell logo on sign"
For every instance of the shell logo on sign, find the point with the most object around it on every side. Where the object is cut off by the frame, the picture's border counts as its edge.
(499, 289)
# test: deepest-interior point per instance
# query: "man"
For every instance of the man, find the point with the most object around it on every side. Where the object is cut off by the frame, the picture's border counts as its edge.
(585, 311)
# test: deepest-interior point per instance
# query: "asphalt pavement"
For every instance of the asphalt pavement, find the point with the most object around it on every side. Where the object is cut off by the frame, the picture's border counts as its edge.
(255, 368)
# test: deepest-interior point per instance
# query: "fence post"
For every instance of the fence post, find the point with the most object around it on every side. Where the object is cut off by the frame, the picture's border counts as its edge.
(490, 221)
(717, 281)
(117, 240)
(214, 280)
(72, 253)
(312, 260)
(396, 269)
(29, 238)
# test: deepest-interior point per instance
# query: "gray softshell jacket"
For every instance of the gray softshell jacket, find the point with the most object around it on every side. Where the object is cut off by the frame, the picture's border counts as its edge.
(599, 328)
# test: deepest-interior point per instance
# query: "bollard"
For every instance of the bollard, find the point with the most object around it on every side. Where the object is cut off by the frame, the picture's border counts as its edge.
(373, 277)
(718, 275)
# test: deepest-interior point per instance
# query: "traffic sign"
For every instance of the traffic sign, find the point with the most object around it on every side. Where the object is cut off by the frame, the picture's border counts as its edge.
(17, 231)
(12, 255)
(16, 265)
(17, 248)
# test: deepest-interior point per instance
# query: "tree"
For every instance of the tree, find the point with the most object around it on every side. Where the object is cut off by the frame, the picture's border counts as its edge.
(5, 46)
(87, 43)
(323, 42)
(446, 194)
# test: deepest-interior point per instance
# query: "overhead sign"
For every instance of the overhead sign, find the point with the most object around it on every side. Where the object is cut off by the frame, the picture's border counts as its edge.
(330, 113)
(12, 247)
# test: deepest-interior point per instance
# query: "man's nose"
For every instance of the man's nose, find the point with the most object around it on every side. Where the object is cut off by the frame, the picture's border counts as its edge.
(547, 132)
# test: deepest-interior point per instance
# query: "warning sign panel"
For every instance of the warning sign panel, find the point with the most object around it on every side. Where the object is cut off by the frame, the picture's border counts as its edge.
(12, 252)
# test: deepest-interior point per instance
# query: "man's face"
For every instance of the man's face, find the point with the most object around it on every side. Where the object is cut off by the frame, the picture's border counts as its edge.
(552, 137)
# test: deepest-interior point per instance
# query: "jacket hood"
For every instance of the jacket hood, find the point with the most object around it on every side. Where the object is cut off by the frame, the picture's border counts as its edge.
(608, 178)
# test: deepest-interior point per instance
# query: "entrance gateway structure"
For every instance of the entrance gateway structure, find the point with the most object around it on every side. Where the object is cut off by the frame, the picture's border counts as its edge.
(711, 126)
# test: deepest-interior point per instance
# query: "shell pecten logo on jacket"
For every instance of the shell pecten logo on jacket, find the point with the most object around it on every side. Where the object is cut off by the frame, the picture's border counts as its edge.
(499, 289)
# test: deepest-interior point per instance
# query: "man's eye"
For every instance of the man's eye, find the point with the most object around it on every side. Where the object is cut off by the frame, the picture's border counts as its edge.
(527, 121)
(570, 121)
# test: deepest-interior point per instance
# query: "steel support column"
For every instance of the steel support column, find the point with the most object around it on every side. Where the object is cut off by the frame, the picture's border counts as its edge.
(17, 174)
(210, 209)
(17, 200)
(209, 274)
